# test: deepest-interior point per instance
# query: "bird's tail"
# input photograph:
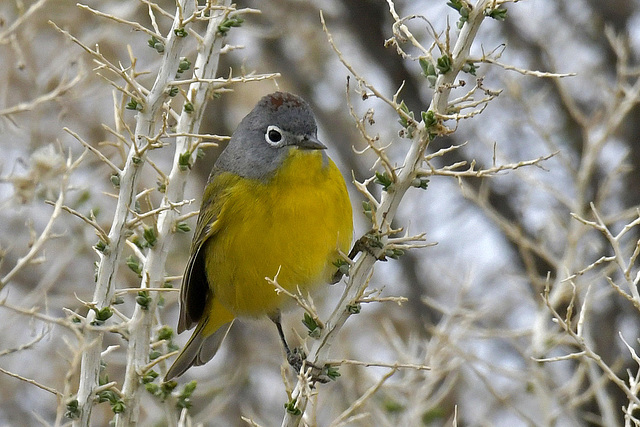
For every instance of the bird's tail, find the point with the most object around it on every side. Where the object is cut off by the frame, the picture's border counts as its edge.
(204, 343)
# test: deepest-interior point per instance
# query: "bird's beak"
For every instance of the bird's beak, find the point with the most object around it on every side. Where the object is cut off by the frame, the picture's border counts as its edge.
(311, 143)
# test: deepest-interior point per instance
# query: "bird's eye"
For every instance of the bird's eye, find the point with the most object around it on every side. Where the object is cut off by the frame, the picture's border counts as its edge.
(273, 135)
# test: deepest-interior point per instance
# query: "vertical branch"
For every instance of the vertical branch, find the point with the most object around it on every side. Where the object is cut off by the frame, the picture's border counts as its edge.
(109, 260)
(362, 270)
(206, 66)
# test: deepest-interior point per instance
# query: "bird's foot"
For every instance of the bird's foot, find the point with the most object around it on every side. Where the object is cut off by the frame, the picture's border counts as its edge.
(297, 359)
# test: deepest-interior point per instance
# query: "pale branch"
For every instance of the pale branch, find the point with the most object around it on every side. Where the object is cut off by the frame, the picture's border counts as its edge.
(523, 71)
(93, 150)
(25, 346)
(60, 89)
(590, 354)
(217, 83)
(394, 365)
(571, 356)
(33, 382)
(102, 235)
(104, 62)
(602, 260)
(220, 138)
(139, 217)
(622, 293)
(472, 172)
(125, 291)
(205, 67)
(35, 314)
(135, 25)
(401, 33)
(360, 273)
(154, 6)
(146, 123)
(34, 7)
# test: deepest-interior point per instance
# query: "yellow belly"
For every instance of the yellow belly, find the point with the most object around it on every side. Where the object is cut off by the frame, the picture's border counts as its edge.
(291, 226)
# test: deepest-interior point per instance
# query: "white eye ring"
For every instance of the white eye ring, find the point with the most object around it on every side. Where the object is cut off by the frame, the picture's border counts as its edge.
(273, 136)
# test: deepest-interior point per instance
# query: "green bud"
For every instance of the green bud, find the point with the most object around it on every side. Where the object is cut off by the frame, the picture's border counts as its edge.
(354, 308)
(227, 24)
(394, 253)
(444, 64)
(161, 186)
(150, 235)
(189, 388)
(426, 67)
(165, 333)
(167, 387)
(133, 105)
(72, 411)
(188, 107)
(102, 315)
(184, 161)
(384, 180)
(115, 180)
(118, 407)
(180, 32)
(173, 91)
(149, 377)
(367, 209)
(403, 120)
(332, 372)
(374, 240)
(156, 44)
(154, 354)
(497, 14)
(291, 407)
(183, 227)
(152, 388)
(420, 183)
(184, 65)
(312, 325)
(134, 265)
(143, 299)
(102, 247)
(455, 4)
(469, 67)
(106, 396)
(342, 266)
(429, 118)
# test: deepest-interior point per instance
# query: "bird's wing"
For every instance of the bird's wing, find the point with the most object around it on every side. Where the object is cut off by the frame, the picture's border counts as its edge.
(195, 287)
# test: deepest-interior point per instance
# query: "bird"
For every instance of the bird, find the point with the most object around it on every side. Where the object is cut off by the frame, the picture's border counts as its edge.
(275, 206)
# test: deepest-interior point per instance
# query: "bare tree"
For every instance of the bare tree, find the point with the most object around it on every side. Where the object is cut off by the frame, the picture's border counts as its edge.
(505, 133)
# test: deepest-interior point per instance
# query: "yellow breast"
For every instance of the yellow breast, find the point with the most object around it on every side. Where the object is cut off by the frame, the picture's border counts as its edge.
(292, 226)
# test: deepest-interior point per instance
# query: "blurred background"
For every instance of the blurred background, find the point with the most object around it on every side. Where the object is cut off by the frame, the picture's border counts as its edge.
(474, 312)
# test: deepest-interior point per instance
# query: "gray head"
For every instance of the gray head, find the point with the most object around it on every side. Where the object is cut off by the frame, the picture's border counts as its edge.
(278, 122)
